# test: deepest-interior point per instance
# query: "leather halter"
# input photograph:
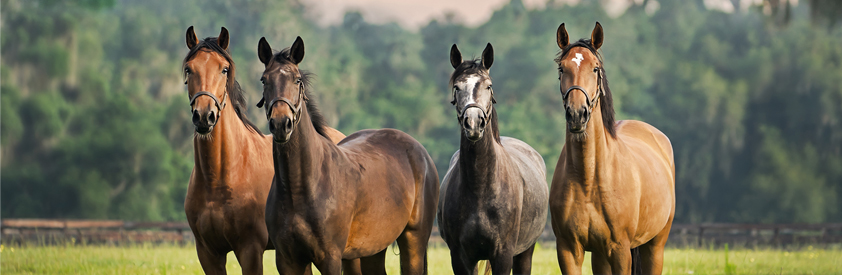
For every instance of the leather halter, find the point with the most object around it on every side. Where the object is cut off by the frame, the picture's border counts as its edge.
(215, 101)
(591, 101)
(296, 109)
(460, 115)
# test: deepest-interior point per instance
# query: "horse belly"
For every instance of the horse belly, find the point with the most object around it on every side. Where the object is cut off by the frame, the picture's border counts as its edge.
(373, 230)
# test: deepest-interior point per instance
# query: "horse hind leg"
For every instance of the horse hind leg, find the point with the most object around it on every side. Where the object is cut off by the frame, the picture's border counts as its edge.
(374, 265)
(651, 257)
(522, 263)
(413, 251)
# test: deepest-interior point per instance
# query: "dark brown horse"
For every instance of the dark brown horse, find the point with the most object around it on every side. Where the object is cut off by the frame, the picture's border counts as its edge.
(233, 167)
(493, 202)
(614, 186)
(329, 202)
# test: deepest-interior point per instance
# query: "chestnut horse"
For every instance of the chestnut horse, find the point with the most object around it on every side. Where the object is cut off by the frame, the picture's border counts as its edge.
(493, 202)
(614, 186)
(329, 202)
(233, 167)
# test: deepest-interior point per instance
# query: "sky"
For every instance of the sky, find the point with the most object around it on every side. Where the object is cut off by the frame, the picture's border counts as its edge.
(414, 14)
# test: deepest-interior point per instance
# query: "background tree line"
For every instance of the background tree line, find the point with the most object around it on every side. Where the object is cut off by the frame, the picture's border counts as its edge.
(95, 122)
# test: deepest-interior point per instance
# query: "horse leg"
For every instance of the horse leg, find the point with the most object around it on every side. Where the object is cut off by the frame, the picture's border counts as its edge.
(599, 263)
(330, 265)
(413, 247)
(286, 264)
(501, 264)
(620, 258)
(351, 267)
(212, 262)
(523, 262)
(374, 264)
(461, 264)
(250, 257)
(570, 256)
(652, 252)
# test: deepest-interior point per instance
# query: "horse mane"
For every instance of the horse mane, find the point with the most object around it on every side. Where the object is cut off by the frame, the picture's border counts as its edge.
(238, 99)
(474, 66)
(605, 98)
(316, 116)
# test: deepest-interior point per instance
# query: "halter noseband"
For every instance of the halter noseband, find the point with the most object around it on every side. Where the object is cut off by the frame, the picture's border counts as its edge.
(215, 100)
(591, 101)
(460, 115)
(296, 109)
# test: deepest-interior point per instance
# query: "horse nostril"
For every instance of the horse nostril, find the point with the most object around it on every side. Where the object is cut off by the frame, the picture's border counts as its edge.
(482, 122)
(466, 124)
(288, 124)
(195, 117)
(568, 115)
(211, 117)
(271, 125)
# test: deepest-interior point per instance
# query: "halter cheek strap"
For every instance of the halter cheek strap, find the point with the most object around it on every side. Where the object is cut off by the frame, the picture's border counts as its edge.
(591, 101)
(296, 109)
(460, 115)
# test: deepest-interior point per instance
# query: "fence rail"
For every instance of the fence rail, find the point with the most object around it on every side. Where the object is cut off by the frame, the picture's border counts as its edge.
(48, 231)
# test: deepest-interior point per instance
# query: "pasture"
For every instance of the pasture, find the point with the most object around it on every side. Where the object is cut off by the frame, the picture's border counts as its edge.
(176, 259)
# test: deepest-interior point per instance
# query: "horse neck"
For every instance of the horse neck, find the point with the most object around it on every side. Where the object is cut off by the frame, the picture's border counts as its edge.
(585, 156)
(299, 161)
(478, 160)
(213, 156)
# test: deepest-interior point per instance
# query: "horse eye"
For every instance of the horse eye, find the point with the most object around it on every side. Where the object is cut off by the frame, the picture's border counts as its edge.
(263, 80)
(596, 70)
(560, 70)
(225, 70)
(489, 87)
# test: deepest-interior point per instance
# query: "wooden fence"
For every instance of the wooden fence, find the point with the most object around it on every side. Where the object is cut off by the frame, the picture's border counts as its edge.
(50, 232)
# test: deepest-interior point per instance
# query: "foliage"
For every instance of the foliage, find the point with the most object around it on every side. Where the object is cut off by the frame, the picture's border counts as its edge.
(95, 124)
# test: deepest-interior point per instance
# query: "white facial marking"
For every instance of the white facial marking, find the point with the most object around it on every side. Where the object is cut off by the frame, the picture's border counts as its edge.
(470, 83)
(578, 59)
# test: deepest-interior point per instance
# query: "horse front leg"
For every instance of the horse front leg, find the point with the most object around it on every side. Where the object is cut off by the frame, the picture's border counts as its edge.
(620, 258)
(571, 254)
(212, 262)
(523, 262)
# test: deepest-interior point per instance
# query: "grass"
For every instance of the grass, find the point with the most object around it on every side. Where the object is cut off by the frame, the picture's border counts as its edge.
(174, 259)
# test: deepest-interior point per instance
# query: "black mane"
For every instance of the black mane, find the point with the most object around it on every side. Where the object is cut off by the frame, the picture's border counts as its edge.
(238, 99)
(606, 99)
(316, 116)
(474, 66)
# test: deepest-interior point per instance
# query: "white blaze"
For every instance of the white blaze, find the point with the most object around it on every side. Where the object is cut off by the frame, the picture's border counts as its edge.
(470, 83)
(578, 59)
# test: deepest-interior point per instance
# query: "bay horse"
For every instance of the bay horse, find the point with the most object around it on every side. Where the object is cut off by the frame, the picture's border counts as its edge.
(233, 169)
(614, 186)
(493, 199)
(330, 202)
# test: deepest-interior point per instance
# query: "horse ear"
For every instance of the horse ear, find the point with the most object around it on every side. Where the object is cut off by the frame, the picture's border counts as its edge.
(264, 51)
(596, 36)
(455, 56)
(223, 39)
(192, 40)
(488, 56)
(561, 37)
(296, 51)
(260, 103)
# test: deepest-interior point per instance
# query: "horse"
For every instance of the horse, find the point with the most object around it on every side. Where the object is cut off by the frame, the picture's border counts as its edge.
(233, 169)
(493, 199)
(330, 202)
(613, 190)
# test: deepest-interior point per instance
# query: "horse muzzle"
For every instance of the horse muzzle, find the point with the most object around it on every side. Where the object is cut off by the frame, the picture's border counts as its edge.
(281, 129)
(473, 123)
(577, 119)
(204, 121)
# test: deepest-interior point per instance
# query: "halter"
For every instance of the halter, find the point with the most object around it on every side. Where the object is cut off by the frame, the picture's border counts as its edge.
(215, 101)
(591, 101)
(460, 115)
(296, 109)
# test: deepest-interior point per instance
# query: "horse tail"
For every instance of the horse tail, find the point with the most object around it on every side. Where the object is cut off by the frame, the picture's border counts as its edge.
(636, 267)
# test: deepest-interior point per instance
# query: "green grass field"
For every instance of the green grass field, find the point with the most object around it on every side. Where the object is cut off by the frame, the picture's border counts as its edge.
(173, 259)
